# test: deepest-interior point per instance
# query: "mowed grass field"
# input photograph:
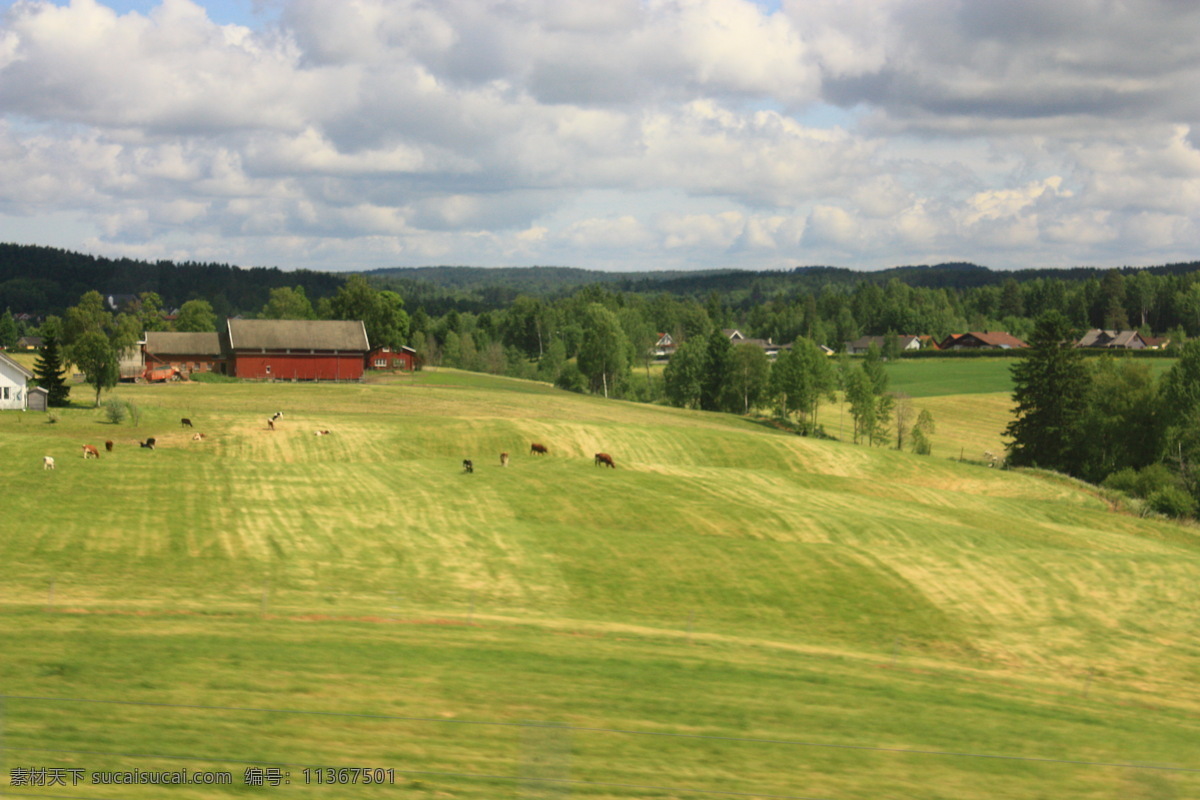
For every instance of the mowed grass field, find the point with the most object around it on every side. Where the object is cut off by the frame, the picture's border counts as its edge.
(732, 609)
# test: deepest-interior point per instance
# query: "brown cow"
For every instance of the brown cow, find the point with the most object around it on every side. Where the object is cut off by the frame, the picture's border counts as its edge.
(321, 433)
(185, 422)
(90, 452)
(538, 448)
(270, 424)
(605, 459)
(468, 466)
(504, 459)
(108, 445)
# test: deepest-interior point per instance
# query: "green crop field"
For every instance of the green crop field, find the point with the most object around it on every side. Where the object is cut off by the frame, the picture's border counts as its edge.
(733, 611)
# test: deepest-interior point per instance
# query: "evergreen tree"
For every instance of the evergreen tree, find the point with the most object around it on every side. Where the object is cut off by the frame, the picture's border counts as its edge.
(1050, 390)
(47, 367)
(714, 394)
(8, 330)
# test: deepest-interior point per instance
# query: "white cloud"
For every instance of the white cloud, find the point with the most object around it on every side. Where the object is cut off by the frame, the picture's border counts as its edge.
(632, 133)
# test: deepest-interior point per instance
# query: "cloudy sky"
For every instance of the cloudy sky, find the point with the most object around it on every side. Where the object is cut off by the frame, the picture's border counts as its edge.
(605, 134)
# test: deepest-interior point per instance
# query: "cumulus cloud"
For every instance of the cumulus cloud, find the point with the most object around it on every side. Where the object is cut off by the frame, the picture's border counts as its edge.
(372, 132)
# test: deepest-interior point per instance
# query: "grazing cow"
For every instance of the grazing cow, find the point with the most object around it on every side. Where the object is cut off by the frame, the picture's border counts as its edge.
(108, 445)
(47, 462)
(321, 433)
(90, 452)
(504, 459)
(538, 448)
(185, 422)
(277, 415)
(197, 437)
(148, 444)
(605, 459)
(468, 466)
(270, 424)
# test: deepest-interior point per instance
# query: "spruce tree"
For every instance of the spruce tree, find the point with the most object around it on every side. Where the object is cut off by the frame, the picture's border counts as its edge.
(1050, 390)
(47, 368)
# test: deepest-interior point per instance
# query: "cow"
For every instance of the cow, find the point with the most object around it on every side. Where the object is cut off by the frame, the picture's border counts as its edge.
(320, 433)
(90, 452)
(504, 459)
(47, 462)
(538, 448)
(108, 445)
(148, 444)
(276, 416)
(468, 466)
(185, 422)
(197, 437)
(605, 459)
(270, 424)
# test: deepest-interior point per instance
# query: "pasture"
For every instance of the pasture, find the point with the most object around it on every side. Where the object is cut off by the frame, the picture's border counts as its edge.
(731, 609)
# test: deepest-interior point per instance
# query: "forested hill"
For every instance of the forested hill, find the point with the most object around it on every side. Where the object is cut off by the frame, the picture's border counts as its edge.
(45, 280)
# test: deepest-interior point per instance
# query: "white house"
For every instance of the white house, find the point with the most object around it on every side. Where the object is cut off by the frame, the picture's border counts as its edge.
(13, 378)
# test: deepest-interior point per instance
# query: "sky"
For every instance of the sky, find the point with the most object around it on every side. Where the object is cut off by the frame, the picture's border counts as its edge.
(603, 134)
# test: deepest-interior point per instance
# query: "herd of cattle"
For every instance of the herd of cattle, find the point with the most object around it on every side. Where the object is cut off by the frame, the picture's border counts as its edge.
(539, 449)
(91, 451)
(536, 448)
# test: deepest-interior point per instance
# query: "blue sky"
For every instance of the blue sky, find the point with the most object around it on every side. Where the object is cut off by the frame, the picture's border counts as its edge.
(624, 134)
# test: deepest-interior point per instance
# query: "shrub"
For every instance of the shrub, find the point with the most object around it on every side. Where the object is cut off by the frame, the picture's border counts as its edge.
(1153, 478)
(571, 379)
(114, 411)
(1125, 480)
(1172, 501)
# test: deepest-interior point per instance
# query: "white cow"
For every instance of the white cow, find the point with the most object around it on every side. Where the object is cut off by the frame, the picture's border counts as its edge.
(47, 462)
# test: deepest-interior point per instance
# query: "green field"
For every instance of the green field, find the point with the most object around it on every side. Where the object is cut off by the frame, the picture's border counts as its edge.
(732, 610)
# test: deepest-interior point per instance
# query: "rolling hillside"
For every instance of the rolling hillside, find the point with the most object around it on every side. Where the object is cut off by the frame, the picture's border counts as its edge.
(726, 582)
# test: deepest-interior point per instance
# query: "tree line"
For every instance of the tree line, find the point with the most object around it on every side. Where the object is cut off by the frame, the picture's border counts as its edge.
(1109, 420)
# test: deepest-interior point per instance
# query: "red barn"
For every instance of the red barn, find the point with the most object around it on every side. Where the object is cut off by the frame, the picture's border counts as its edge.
(186, 352)
(402, 358)
(293, 349)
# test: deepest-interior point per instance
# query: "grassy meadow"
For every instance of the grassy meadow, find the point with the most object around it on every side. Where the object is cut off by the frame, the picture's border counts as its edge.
(732, 610)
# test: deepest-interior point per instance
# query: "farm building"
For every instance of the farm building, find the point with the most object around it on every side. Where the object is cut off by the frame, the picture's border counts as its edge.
(185, 352)
(29, 343)
(37, 399)
(402, 358)
(302, 350)
(13, 379)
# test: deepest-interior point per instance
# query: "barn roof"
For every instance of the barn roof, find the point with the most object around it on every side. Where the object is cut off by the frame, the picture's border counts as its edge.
(297, 334)
(167, 343)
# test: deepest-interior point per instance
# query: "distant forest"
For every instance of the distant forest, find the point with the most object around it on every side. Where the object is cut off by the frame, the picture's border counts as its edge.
(829, 305)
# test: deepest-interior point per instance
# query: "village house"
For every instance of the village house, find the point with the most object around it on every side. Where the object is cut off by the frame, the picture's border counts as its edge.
(769, 347)
(1113, 340)
(13, 381)
(863, 343)
(664, 347)
(982, 340)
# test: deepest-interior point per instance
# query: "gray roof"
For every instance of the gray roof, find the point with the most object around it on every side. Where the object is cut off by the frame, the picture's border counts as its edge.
(165, 343)
(297, 334)
(8, 360)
